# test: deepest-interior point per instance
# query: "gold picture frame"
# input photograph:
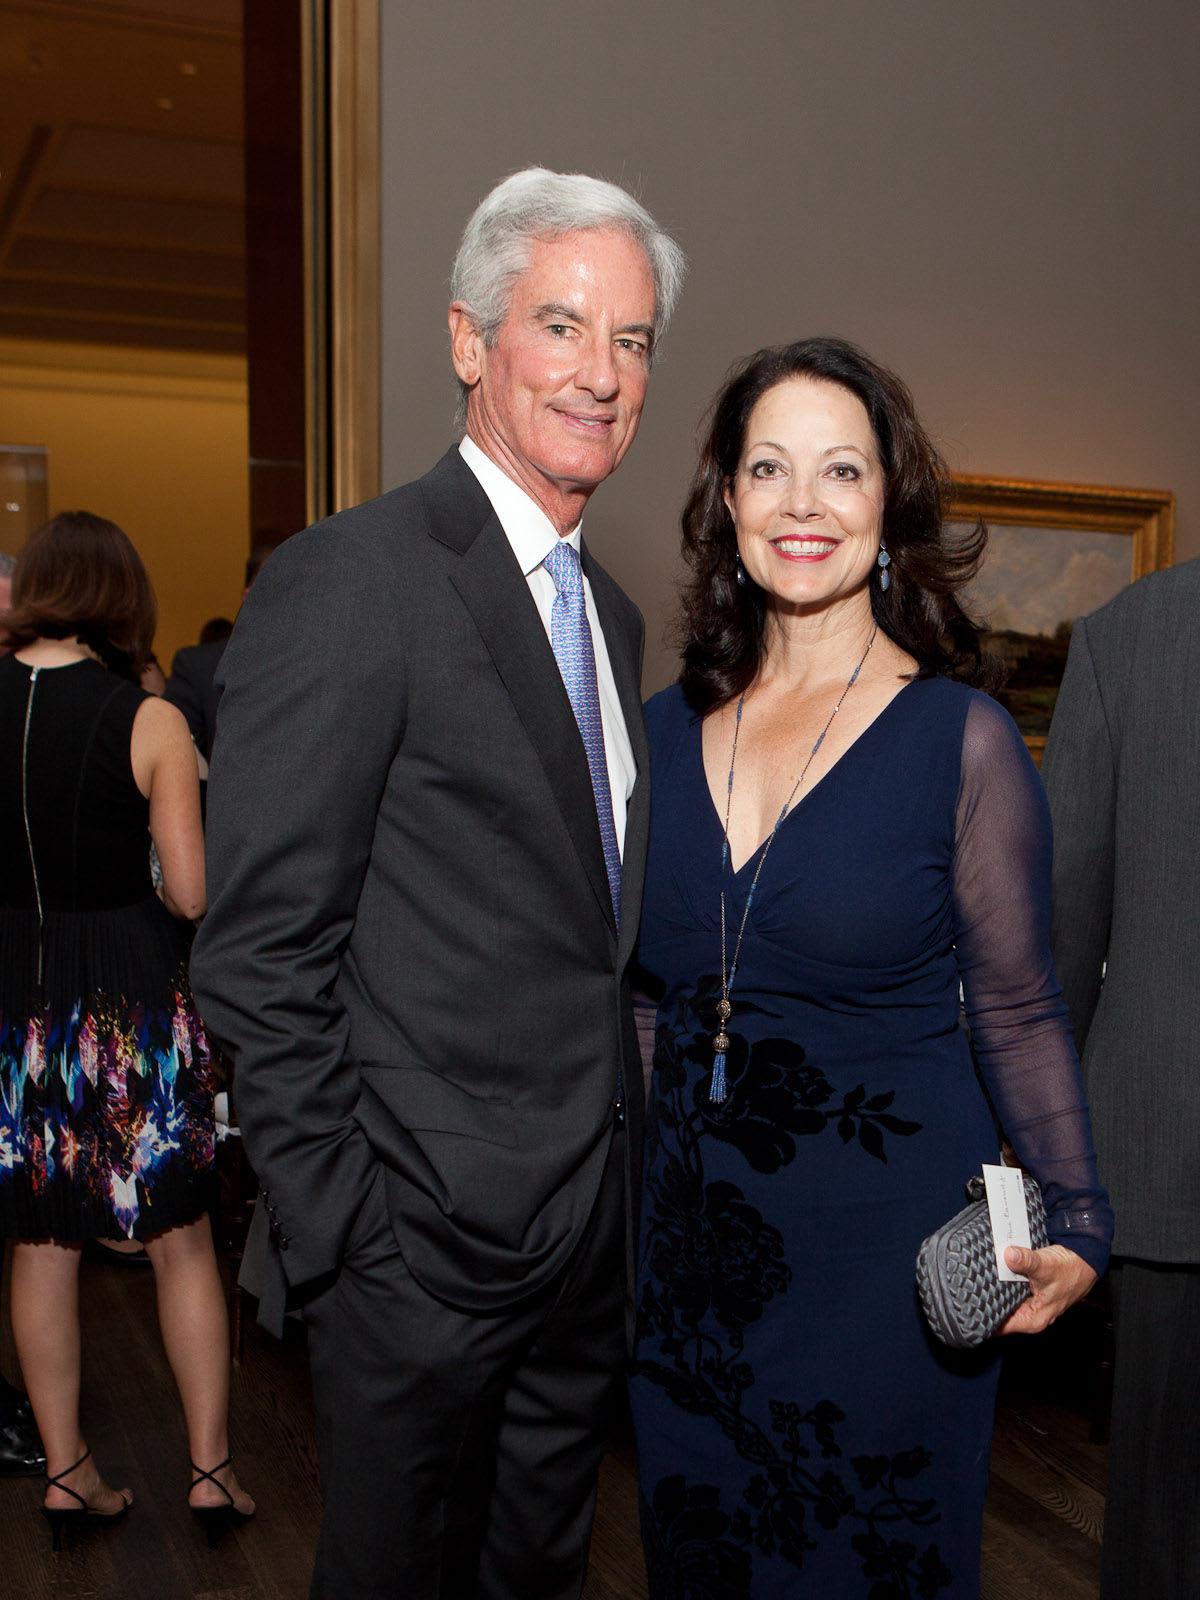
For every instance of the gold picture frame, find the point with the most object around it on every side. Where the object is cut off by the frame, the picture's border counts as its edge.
(1054, 585)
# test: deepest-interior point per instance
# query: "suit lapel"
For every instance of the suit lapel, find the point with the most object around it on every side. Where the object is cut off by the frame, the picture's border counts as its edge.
(494, 591)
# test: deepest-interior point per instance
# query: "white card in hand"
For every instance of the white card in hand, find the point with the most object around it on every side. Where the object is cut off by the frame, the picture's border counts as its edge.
(1010, 1219)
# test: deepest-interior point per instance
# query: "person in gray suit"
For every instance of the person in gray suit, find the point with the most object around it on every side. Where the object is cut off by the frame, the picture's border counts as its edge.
(427, 824)
(1122, 768)
(192, 686)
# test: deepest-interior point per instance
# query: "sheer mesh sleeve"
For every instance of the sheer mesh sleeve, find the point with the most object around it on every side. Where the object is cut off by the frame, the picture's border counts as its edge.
(1018, 1019)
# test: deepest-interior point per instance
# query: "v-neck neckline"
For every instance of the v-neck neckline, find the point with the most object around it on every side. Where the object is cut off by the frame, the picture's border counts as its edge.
(736, 872)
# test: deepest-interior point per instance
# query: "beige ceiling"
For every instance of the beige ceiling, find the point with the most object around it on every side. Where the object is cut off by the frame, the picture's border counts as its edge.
(121, 184)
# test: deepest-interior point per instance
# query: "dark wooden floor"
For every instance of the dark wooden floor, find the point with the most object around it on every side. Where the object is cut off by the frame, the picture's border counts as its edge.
(1041, 1536)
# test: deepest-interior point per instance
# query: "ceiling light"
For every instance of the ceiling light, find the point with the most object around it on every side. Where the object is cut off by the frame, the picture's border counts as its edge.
(164, 104)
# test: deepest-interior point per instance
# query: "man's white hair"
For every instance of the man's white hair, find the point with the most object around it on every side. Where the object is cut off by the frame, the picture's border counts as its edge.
(540, 204)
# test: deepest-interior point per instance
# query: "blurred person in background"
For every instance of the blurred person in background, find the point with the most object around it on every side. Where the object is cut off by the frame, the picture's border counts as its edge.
(151, 677)
(192, 686)
(106, 1084)
(7, 564)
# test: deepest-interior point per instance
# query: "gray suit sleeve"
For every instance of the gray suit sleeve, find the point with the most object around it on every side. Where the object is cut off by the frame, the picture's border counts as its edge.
(1080, 777)
(311, 717)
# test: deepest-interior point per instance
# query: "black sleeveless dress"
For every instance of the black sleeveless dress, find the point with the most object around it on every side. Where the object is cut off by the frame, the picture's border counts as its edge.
(106, 1083)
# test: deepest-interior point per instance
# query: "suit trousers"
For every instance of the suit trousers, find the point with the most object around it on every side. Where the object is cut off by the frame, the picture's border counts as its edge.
(1152, 1514)
(459, 1452)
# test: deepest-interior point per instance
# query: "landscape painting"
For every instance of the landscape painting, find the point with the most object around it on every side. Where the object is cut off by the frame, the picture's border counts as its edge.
(1055, 552)
(1033, 584)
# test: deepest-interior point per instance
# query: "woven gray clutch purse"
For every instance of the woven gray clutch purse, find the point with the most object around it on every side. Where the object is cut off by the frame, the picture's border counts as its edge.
(962, 1296)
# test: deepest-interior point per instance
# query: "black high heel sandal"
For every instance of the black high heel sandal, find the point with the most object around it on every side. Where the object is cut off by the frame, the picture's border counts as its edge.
(60, 1517)
(215, 1519)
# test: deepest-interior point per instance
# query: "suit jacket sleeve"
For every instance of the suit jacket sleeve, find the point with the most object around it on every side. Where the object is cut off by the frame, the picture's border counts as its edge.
(311, 717)
(1080, 776)
(187, 695)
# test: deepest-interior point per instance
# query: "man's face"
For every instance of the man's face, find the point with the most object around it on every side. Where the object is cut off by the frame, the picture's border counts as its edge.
(557, 398)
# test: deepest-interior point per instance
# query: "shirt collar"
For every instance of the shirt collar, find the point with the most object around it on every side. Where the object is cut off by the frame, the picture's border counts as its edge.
(529, 530)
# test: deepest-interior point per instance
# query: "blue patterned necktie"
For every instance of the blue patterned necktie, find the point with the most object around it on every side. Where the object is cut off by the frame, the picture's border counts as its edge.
(571, 638)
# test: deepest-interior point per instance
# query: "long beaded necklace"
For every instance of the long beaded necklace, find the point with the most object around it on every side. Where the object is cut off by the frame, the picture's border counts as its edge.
(716, 1092)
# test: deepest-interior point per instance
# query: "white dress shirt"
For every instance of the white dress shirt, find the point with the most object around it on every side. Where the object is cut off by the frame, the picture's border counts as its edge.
(532, 536)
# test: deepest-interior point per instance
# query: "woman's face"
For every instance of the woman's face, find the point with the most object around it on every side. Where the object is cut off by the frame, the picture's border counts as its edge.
(807, 497)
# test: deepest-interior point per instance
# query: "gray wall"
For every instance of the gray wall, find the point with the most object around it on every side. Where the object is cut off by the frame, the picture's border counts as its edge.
(998, 199)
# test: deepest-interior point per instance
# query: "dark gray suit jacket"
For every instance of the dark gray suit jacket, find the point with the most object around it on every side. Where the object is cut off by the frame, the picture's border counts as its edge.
(410, 950)
(1122, 768)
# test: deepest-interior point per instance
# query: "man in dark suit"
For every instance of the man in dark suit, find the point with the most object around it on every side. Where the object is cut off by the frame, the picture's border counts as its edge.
(1122, 768)
(192, 686)
(427, 828)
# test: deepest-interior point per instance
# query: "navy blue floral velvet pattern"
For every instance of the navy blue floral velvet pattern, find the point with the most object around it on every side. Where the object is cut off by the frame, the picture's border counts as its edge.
(799, 1432)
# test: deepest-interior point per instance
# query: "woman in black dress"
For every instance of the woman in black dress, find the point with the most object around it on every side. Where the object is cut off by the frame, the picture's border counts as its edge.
(106, 1085)
(843, 832)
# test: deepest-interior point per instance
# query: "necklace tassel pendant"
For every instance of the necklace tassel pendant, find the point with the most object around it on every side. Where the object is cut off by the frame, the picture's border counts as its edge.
(716, 1090)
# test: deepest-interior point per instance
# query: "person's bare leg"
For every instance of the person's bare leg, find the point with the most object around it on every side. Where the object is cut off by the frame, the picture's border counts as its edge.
(195, 1331)
(45, 1321)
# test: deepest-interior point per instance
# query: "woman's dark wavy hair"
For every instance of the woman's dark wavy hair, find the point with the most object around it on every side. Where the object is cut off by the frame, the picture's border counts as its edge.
(80, 575)
(721, 622)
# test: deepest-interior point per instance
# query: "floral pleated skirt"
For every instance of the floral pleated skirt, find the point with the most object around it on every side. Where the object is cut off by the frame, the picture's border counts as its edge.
(106, 1078)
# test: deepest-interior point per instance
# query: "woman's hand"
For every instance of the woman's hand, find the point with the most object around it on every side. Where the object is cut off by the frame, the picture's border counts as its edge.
(1057, 1277)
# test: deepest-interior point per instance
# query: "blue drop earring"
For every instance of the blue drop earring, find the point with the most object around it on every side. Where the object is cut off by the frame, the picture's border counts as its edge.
(885, 561)
(741, 572)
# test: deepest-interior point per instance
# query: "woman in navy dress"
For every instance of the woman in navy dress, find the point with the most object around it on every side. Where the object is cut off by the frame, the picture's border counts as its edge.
(844, 831)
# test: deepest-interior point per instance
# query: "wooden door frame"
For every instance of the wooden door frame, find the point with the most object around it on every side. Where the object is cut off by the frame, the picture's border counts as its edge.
(342, 249)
